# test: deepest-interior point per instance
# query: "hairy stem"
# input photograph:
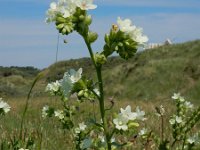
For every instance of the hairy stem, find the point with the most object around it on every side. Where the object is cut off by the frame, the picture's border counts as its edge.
(101, 97)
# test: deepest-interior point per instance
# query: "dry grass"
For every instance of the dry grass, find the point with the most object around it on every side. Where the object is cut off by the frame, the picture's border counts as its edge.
(49, 130)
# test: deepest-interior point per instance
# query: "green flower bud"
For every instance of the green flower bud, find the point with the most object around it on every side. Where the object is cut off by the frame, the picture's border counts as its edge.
(86, 95)
(60, 20)
(88, 20)
(133, 124)
(116, 48)
(67, 29)
(106, 38)
(100, 59)
(92, 37)
(60, 26)
(64, 31)
(80, 93)
(81, 17)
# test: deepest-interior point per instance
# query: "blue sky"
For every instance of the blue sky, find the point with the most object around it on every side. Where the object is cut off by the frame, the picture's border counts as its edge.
(26, 40)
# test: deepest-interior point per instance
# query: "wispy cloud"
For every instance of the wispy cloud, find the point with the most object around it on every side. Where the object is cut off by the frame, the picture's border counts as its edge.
(27, 40)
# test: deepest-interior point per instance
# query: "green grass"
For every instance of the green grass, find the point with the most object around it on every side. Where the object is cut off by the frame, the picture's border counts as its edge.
(154, 74)
(148, 80)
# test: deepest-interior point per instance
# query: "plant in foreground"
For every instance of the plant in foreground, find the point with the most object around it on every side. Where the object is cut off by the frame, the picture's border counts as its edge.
(124, 38)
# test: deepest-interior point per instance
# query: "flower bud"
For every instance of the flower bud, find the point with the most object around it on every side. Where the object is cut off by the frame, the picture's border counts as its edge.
(81, 17)
(115, 28)
(60, 20)
(133, 125)
(100, 59)
(80, 93)
(63, 31)
(60, 26)
(92, 37)
(86, 95)
(88, 20)
(106, 38)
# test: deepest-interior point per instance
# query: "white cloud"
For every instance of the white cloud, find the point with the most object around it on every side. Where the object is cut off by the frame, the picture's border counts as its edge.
(32, 42)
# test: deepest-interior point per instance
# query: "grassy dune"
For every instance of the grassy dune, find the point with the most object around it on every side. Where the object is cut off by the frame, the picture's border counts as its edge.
(147, 80)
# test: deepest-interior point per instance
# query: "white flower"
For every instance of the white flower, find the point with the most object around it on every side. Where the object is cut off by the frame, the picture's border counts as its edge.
(85, 4)
(73, 75)
(63, 7)
(172, 121)
(53, 87)
(188, 105)
(67, 7)
(140, 114)
(125, 25)
(52, 12)
(53, 6)
(137, 36)
(4, 106)
(176, 119)
(23, 149)
(81, 127)
(193, 139)
(143, 132)
(121, 122)
(134, 32)
(45, 110)
(176, 96)
(59, 114)
(127, 113)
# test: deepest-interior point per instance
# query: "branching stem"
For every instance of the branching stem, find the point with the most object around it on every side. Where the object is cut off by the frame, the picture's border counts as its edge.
(101, 97)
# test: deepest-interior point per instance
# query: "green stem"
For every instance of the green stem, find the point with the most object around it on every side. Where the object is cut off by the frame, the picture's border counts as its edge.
(101, 97)
(27, 102)
(173, 143)
(162, 128)
(184, 140)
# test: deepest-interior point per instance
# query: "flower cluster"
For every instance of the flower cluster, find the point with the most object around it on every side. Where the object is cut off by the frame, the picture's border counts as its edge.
(125, 118)
(134, 32)
(193, 139)
(184, 120)
(4, 107)
(124, 39)
(80, 128)
(70, 15)
(47, 111)
(65, 85)
(66, 8)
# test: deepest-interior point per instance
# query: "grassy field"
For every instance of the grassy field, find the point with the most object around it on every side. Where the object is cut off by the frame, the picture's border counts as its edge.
(49, 131)
(148, 80)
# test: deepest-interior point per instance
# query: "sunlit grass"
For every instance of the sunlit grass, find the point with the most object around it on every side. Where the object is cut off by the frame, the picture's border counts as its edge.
(49, 132)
